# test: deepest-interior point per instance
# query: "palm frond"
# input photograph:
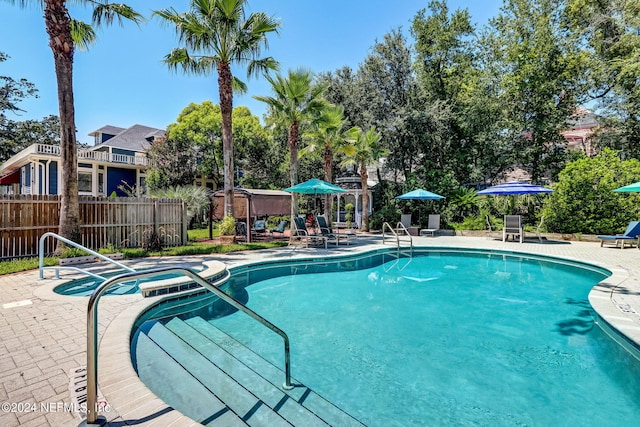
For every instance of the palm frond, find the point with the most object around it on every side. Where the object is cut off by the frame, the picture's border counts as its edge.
(108, 12)
(239, 86)
(82, 34)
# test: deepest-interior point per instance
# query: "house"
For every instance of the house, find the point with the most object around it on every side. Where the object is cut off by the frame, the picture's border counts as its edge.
(583, 127)
(117, 157)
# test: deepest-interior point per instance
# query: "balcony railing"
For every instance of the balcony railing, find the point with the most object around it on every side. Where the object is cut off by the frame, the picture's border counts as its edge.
(98, 156)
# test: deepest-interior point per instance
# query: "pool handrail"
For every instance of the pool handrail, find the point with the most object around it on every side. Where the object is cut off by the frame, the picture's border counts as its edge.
(41, 266)
(395, 232)
(92, 329)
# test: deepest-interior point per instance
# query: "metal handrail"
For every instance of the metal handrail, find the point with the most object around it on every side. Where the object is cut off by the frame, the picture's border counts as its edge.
(41, 266)
(92, 330)
(400, 226)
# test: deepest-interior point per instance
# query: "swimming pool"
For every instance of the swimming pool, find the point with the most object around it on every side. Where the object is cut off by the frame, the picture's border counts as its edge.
(444, 338)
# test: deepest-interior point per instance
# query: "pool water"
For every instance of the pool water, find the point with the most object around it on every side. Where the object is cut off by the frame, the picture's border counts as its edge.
(445, 339)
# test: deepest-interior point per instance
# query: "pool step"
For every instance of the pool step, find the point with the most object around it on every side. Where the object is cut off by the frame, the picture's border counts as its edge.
(208, 382)
(157, 369)
(269, 377)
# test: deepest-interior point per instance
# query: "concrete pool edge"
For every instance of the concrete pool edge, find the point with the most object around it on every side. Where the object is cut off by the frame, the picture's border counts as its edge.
(118, 380)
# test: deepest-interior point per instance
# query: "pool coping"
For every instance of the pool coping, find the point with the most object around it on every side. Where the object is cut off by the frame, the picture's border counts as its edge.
(118, 380)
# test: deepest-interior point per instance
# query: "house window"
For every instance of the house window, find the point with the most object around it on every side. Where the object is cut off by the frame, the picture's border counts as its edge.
(85, 182)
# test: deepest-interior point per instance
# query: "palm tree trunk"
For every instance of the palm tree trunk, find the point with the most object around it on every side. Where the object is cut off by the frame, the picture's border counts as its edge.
(225, 79)
(328, 176)
(365, 196)
(293, 160)
(58, 26)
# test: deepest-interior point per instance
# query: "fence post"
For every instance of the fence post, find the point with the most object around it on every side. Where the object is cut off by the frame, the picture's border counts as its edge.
(185, 225)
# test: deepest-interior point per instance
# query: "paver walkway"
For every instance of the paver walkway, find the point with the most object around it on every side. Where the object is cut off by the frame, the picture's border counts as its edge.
(43, 335)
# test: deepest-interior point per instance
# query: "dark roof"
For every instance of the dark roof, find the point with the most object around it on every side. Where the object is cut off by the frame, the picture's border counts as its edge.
(135, 138)
(107, 130)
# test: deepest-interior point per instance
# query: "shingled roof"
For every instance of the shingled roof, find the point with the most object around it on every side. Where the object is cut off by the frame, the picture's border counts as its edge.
(135, 138)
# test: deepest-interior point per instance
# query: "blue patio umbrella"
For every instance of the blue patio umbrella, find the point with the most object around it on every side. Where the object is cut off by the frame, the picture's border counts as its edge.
(514, 188)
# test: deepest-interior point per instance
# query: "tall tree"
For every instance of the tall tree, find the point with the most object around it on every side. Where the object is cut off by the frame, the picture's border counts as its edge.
(367, 151)
(608, 36)
(65, 33)
(295, 103)
(540, 81)
(445, 59)
(18, 135)
(387, 90)
(327, 135)
(217, 34)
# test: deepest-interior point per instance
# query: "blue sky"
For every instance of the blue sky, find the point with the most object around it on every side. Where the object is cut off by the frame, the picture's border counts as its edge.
(121, 80)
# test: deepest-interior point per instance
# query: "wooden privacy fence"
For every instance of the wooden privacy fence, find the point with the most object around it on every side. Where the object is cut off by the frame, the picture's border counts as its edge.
(104, 221)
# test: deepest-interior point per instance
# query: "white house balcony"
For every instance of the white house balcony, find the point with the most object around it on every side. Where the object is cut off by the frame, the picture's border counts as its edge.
(98, 156)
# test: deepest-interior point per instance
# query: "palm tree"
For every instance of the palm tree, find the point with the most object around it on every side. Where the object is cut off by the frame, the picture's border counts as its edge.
(368, 151)
(65, 33)
(327, 134)
(217, 34)
(296, 102)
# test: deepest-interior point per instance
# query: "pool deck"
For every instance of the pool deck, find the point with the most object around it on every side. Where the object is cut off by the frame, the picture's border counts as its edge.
(43, 335)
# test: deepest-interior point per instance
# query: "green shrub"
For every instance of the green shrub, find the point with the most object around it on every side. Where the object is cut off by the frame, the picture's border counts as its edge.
(583, 200)
(471, 223)
(226, 227)
(70, 252)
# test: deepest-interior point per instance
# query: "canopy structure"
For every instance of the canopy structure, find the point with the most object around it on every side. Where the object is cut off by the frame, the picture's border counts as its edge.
(514, 188)
(249, 204)
(631, 188)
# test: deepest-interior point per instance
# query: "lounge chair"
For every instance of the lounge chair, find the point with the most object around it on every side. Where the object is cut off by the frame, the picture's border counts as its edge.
(326, 231)
(630, 236)
(513, 226)
(280, 228)
(433, 226)
(299, 231)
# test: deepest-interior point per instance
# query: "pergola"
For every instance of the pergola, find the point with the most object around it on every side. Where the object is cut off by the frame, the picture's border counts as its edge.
(249, 204)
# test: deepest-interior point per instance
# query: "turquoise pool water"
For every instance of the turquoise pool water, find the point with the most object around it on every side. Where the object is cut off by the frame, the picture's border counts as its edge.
(444, 338)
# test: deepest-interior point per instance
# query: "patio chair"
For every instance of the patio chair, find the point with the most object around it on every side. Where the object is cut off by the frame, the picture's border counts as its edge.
(328, 233)
(259, 229)
(433, 226)
(513, 227)
(299, 231)
(538, 228)
(241, 231)
(280, 228)
(630, 236)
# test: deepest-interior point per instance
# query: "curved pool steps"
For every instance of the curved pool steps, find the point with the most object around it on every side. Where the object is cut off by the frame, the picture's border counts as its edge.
(228, 373)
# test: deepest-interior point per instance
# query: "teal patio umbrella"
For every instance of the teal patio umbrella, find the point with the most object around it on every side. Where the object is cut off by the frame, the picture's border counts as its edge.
(631, 188)
(420, 194)
(315, 186)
